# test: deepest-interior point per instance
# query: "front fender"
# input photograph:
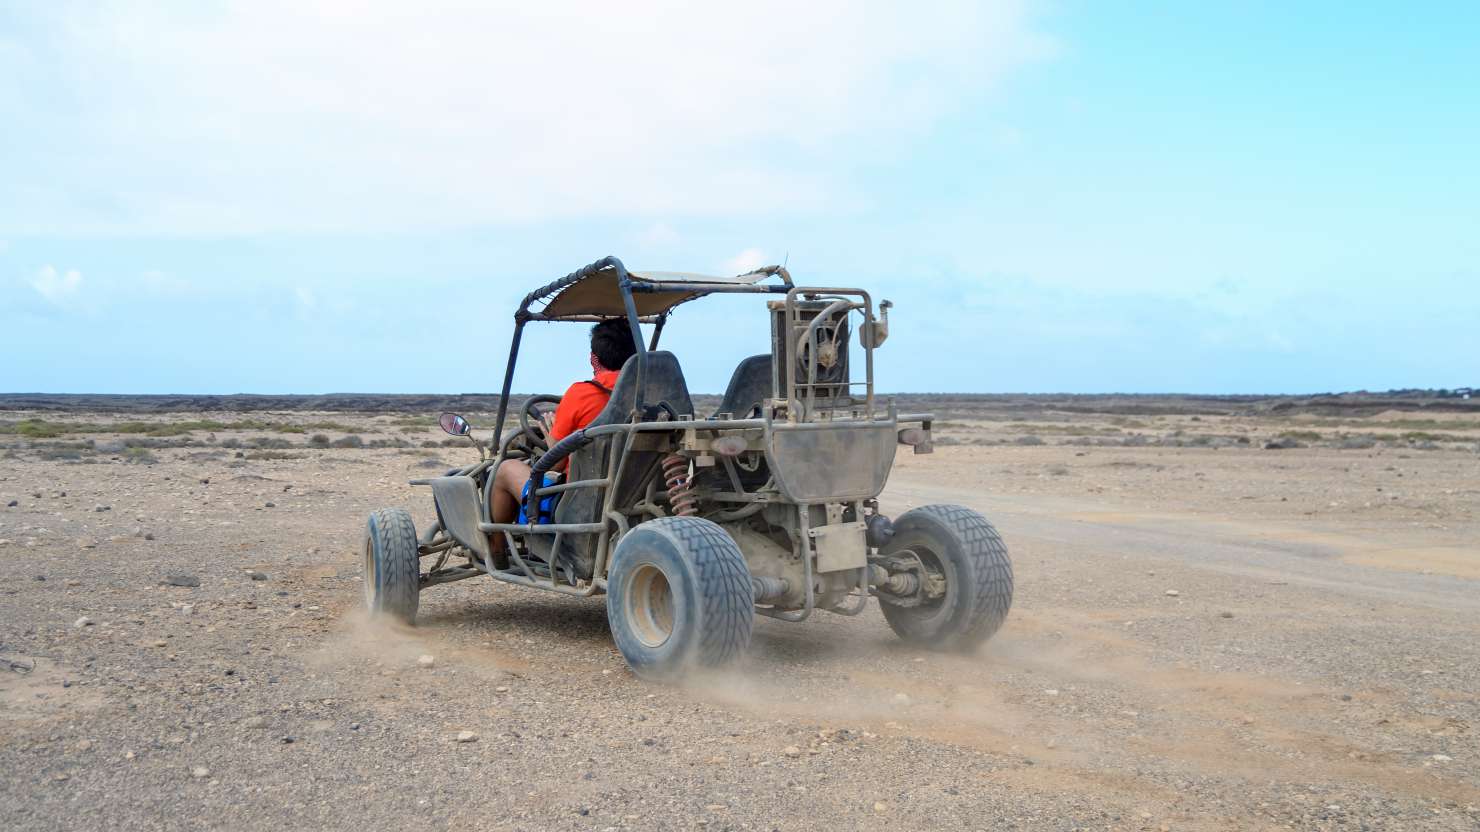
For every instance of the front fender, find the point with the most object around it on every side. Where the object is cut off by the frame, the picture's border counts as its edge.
(458, 508)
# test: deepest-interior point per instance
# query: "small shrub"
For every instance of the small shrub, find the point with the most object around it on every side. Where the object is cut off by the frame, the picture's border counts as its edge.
(271, 442)
(139, 456)
(272, 454)
(1030, 439)
(34, 428)
(170, 442)
(339, 427)
(319, 440)
(162, 429)
(351, 441)
(1301, 435)
(1426, 436)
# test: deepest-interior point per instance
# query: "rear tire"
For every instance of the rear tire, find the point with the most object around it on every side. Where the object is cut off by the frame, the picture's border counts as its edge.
(679, 596)
(392, 577)
(960, 545)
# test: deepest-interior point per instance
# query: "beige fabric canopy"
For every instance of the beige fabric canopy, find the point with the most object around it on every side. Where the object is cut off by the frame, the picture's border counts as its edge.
(600, 295)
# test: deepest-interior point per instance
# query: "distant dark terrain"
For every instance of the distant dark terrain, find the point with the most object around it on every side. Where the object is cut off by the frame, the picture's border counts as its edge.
(943, 404)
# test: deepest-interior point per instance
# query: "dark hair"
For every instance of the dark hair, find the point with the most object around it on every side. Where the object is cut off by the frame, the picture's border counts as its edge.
(611, 343)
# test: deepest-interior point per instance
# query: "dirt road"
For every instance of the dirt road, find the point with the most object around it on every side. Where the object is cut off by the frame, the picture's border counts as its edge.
(1202, 639)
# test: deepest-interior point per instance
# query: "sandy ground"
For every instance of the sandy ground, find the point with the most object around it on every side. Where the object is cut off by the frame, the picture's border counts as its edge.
(1203, 638)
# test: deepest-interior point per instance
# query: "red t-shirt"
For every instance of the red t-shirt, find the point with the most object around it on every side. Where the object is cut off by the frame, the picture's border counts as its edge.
(581, 403)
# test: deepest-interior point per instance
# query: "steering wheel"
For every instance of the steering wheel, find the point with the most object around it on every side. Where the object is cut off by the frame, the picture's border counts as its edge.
(532, 420)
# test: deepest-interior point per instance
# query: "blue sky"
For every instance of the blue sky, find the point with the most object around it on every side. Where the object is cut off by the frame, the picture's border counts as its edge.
(1068, 196)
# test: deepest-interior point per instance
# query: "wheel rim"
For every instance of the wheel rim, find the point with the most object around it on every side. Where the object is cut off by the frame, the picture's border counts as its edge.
(370, 575)
(648, 605)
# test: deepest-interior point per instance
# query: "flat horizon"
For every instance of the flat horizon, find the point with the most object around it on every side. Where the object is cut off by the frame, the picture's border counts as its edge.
(1431, 392)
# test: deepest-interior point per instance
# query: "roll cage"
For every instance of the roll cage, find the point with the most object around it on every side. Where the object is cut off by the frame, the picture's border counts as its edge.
(821, 445)
(606, 289)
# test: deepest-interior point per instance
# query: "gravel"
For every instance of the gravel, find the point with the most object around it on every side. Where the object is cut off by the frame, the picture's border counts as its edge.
(1343, 697)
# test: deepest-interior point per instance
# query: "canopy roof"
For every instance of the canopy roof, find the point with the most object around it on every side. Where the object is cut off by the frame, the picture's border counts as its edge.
(596, 291)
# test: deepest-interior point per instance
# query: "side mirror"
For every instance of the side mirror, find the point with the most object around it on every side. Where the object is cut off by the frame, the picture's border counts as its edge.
(454, 424)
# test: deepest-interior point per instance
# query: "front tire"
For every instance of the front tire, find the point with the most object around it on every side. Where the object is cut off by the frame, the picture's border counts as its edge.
(392, 577)
(959, 545)
(679, 596)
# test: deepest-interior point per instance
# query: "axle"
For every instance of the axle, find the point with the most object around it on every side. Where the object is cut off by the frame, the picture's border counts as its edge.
(895, 583)
(767, 589)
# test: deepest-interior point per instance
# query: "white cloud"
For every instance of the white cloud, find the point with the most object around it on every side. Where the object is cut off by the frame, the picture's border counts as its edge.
(254, 115)
(163, 283)
(751, 258)
(57, 287)
(306, 298)
(1278, 342)
(659, 235)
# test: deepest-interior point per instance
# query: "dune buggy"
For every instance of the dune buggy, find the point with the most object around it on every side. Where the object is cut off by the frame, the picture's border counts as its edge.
(691, 523)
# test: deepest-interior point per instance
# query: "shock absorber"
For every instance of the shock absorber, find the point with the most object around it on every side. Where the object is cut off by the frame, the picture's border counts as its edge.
(680, 490)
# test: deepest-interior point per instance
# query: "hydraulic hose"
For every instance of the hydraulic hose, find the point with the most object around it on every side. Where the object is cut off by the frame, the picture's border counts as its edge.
(544, 464)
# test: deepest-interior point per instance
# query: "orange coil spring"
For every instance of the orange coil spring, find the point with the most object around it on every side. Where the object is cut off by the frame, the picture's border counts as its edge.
(680, 491)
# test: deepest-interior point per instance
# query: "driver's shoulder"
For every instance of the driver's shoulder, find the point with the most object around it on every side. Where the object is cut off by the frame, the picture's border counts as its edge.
(579, 389)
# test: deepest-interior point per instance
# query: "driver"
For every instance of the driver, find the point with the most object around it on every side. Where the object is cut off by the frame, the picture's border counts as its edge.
(611, 346)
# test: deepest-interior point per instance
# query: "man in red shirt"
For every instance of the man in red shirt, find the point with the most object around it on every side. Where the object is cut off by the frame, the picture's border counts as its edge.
(611, 346)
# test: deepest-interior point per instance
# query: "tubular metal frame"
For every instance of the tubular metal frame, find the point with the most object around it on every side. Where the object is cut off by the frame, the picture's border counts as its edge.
(626, 284)
(614, 523)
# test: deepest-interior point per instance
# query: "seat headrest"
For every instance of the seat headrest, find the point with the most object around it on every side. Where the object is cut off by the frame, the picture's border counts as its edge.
(664, 383)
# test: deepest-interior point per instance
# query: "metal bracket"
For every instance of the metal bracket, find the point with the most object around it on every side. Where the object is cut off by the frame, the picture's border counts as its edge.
(839, 546)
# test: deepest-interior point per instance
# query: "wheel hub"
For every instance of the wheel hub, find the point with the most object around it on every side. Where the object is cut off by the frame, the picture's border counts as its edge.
(649, 605)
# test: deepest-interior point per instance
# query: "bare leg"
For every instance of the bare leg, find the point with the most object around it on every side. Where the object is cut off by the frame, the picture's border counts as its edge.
(508, 485)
